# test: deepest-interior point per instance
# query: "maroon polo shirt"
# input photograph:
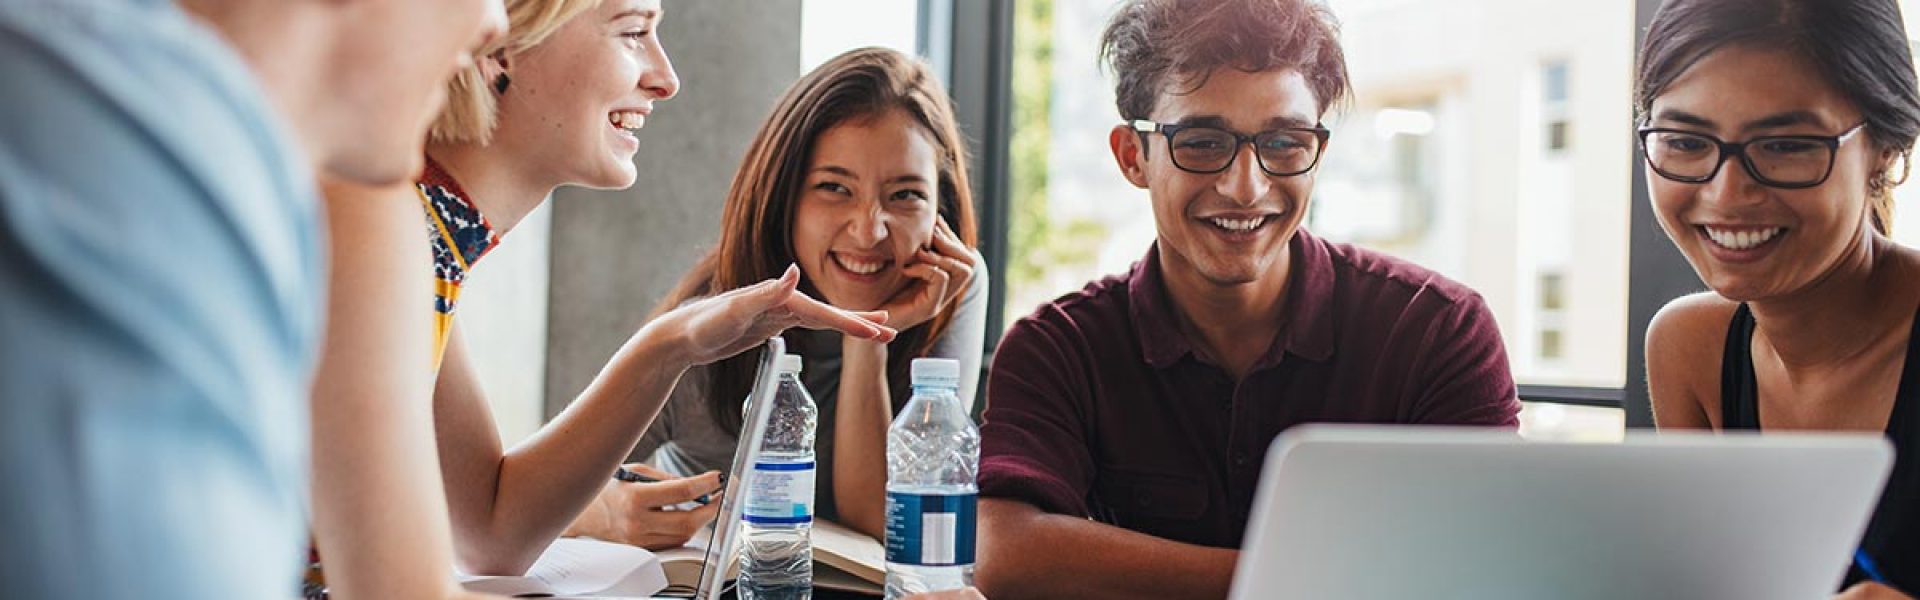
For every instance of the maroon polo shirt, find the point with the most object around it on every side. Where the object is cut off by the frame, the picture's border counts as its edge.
(1099, 407)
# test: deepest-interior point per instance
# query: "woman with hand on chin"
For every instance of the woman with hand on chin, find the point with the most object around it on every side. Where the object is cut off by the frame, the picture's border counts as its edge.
(554, 102)
(1774, 132)
(859, 177)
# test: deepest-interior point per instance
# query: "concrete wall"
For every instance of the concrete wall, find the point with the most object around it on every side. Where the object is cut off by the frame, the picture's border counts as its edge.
(615, 253)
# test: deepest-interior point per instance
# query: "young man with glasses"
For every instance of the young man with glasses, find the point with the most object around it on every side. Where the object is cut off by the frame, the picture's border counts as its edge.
(1127, 423)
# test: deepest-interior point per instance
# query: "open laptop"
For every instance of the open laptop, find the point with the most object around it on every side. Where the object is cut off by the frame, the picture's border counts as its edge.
(721, 545)
(1359, 512)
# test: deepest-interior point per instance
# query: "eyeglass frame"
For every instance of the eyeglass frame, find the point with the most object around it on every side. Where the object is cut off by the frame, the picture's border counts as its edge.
(1319, 131)
(1728, 150)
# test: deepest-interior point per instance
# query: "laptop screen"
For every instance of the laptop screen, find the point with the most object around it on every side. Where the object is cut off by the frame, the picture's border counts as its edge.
(713, 569)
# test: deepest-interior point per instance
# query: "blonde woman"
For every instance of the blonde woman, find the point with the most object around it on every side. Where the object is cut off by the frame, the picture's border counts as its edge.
(554, 102)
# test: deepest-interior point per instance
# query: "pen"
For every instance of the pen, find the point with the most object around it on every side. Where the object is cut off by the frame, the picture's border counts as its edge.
(1860, 559)
(621, 473)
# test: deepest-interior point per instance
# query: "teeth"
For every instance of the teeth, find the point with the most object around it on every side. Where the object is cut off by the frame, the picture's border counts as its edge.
(1237, 224)
(1742, 239)
(859, 266)
(627, 119)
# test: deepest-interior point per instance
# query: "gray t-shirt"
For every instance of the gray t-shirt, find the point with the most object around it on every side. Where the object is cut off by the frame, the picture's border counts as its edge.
(684, 439)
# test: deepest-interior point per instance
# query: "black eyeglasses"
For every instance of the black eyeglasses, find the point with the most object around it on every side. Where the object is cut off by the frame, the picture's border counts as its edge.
(1283, 152)
(1782, 161)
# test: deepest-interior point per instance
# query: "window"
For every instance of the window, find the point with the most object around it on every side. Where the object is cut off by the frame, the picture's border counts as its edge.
(1073, 218)
(1552, 298)
(1540, 229)
(1551, 318)
(1553, 105)
(830, 27)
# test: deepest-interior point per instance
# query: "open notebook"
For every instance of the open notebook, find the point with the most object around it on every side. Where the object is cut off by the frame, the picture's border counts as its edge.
(843, 559)
(581, 567)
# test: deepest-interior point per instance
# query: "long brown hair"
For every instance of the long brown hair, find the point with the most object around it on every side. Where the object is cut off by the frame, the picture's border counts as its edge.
(756, 225)
(1860, 46)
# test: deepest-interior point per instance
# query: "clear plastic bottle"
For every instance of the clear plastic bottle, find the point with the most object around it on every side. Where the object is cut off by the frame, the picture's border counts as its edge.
(777, 523)
(933, 454)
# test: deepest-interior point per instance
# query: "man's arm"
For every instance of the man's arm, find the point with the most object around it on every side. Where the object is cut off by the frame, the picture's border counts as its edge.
(1037, 467)
(1027, 553)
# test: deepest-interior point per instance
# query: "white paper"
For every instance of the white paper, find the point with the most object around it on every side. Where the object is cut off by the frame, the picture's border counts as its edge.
(581, 567)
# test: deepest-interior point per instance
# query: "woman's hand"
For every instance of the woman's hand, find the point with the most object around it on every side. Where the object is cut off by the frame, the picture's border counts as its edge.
(1871, 591)
(943, 269)
(721, 326)
(640, 514)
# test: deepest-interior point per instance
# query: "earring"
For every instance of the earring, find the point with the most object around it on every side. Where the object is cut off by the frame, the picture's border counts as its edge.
(500, 83)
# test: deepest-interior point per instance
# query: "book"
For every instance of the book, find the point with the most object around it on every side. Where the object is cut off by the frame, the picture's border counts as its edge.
(845, 551)
(581, 567)
(843, 559)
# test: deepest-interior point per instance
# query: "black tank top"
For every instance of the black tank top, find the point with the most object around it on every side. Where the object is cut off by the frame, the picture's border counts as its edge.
(1893, 536)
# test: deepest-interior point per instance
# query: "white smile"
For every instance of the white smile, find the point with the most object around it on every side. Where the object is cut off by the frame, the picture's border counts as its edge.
(859, 266)
(1741, 239)
(1238, 225)
(627, 119)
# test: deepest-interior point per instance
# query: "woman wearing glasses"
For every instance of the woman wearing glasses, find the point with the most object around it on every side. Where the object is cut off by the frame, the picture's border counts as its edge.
(859, 177)
(1774, 133)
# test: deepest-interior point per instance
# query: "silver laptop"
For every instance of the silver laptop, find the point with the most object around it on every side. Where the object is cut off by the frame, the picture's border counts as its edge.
(720, 547)
(1364, 513)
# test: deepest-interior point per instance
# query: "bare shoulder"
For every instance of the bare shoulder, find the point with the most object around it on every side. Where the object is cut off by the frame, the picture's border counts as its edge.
(1693, 317)
(1685, 342)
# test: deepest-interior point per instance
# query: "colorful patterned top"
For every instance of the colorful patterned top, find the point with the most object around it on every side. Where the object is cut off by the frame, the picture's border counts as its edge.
(461, 236)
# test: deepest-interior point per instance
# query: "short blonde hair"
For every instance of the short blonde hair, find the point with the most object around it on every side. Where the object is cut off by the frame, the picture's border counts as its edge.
(471, 110)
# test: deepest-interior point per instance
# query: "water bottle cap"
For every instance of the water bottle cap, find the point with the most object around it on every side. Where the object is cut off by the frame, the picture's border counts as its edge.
(941, 372)
(788, 363)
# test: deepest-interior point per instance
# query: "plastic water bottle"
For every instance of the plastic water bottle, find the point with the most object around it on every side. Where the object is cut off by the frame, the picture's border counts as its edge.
(777, 561)
(933, 453)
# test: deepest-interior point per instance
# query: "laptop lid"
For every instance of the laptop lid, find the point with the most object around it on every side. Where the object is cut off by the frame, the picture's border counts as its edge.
(721, 544)
(1410, 512)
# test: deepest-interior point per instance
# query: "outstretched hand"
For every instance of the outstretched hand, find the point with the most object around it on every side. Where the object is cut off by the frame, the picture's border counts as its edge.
(721, 326)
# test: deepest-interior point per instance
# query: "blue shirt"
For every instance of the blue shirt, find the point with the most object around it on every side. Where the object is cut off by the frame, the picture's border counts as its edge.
(160, 295)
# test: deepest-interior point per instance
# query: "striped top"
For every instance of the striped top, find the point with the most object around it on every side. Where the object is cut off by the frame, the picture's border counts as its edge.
(460, 236)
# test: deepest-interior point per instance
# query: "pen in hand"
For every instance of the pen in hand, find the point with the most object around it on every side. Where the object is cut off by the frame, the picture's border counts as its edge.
(622, 474)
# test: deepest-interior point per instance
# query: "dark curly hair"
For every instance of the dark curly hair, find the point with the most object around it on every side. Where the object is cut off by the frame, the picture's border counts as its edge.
(1160, 45)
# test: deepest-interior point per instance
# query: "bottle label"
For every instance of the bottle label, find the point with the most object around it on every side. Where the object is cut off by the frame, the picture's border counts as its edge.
(931, 530)
(780, 493)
